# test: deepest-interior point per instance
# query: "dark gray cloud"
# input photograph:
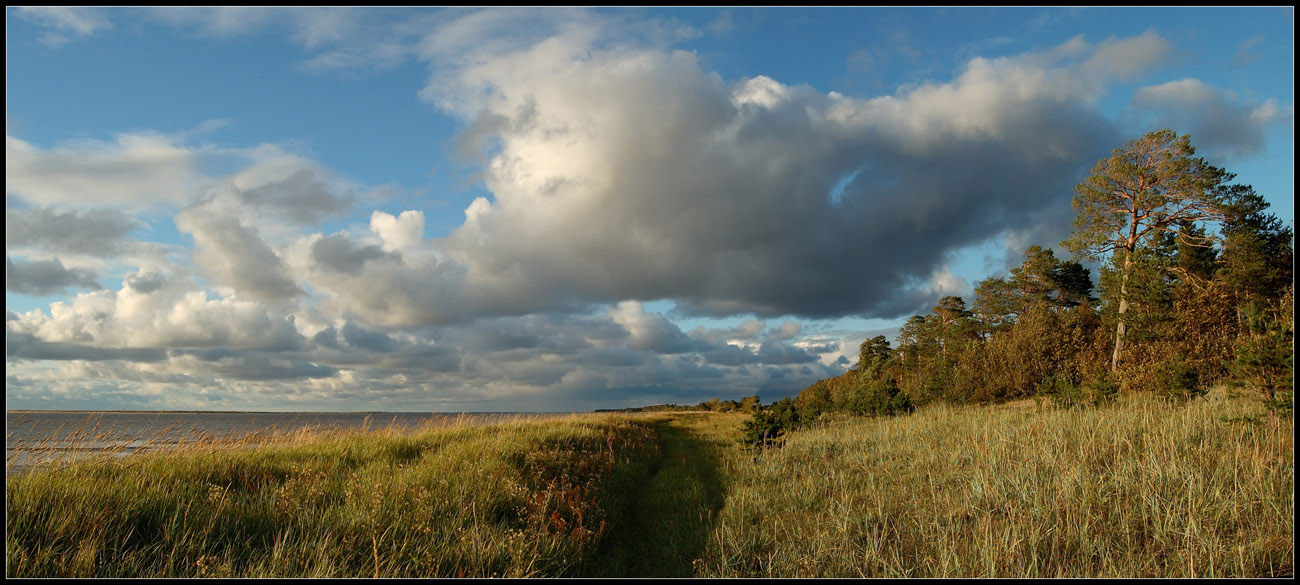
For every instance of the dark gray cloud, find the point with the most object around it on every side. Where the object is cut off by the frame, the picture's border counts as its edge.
(235, 255)
(231, 364)
(419, 360)
(729, 355)
(338, 253)
(45, 277)
(788, 330)
(144, 283)
(747, 330)
(207, 355)
(776, 353)
(327, 337)
(360, 338)
(264, 367)
(92, 232)
(302, 198)
(25, 346)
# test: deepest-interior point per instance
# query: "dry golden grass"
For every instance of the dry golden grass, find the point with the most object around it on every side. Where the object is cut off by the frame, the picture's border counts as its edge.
(512, 499)
(1140, 489)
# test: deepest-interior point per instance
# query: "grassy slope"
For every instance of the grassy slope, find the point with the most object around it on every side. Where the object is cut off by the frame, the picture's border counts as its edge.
(1139, 489)
(503, 500)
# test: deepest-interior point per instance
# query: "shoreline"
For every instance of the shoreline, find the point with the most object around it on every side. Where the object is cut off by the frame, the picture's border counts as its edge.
(404, 412)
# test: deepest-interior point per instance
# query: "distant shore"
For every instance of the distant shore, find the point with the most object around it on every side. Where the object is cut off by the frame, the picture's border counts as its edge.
(403, 412)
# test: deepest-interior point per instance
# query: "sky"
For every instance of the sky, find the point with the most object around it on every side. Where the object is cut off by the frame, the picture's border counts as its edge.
(562, 209)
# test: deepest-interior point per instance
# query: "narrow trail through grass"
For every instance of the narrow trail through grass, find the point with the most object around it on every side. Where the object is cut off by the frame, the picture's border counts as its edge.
(1142, 489)
(668, 526)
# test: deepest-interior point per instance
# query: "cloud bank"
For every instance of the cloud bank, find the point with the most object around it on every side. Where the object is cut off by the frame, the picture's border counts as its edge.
(626, 174)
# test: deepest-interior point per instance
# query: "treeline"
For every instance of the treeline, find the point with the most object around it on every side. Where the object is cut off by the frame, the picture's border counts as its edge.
(1195, 288)
(748, 404)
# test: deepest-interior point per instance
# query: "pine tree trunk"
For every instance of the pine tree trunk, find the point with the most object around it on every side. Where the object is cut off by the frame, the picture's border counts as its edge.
(1120, 326)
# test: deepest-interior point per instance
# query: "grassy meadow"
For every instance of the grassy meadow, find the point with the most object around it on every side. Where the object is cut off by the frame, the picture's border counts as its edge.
(1142, 488)
(1139, 489)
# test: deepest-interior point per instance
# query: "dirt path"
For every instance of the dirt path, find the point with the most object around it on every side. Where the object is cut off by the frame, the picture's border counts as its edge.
(668, 526)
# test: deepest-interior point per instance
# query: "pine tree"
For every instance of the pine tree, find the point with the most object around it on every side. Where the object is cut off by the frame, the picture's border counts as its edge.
(1149, 186)
(1265, 360)
(1257, 262)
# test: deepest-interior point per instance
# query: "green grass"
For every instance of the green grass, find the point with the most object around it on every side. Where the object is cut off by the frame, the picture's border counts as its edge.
(673, 509)
(1138, 489)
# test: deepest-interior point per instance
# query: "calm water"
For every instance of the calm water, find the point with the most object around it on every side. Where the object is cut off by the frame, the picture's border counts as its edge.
(64, 435)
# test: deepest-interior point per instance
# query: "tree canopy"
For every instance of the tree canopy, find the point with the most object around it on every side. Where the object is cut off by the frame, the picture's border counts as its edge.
(1149, 187)
(1194, 287)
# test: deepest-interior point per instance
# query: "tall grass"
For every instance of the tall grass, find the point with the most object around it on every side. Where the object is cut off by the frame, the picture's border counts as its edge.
(519, 499)
(1140, 489)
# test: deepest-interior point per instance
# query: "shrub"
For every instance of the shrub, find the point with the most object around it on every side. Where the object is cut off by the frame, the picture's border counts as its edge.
(879, 398)
(813, 400)
(769, 425)
(1065, 393)
(1062, 391)
(1101, 389)
(1163, 374)
(1177, 380)
(1264, 361)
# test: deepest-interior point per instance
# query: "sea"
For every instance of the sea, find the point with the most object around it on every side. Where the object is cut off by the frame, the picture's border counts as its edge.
(35, 437)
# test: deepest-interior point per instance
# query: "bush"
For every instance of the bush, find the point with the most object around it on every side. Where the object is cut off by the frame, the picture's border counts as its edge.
(769, 425)
(1177, 380)
(1065, 393)
(813, 400)
(1101, 389)
(880, 398)
(1062, 391)
(1264, 360)
(1281, 403)
(1163, 375)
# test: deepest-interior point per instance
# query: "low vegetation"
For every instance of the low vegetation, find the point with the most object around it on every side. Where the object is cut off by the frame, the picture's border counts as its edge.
(521, 499)
(1140, 488)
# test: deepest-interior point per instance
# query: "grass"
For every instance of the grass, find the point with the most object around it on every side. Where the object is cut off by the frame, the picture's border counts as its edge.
(521, 499)
(674, 508)
(1139, 489)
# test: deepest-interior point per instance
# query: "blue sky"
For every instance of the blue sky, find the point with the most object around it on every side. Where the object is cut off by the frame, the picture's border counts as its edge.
(555, 209)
